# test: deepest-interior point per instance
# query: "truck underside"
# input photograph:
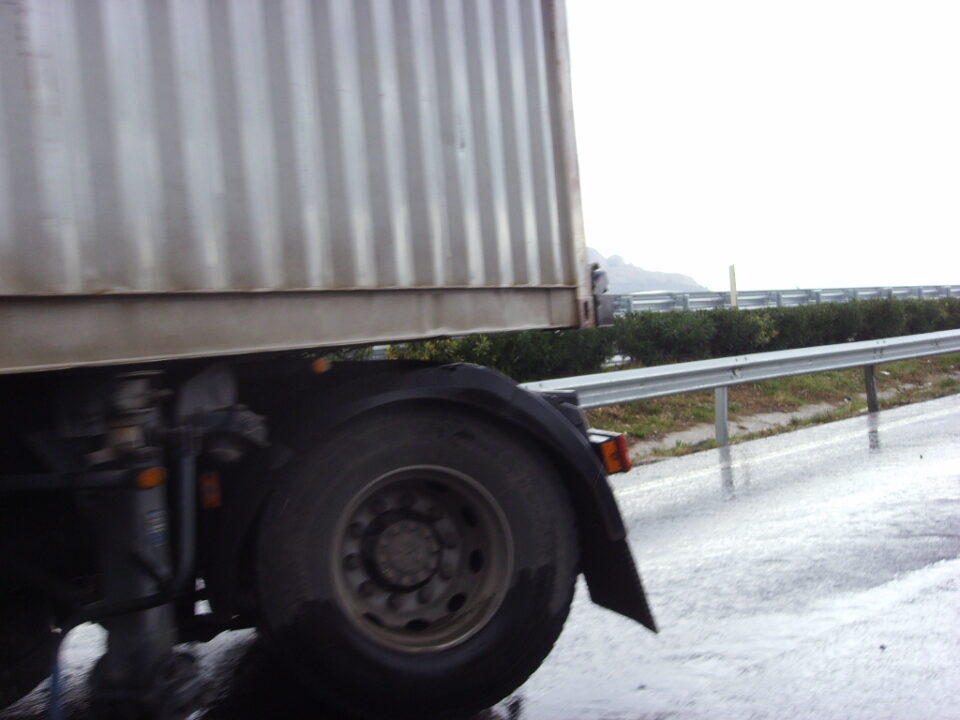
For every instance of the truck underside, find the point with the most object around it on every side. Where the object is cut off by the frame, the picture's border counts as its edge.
(378, 519)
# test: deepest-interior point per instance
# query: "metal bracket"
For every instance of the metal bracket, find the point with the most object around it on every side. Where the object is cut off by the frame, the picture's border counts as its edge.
(603, 303)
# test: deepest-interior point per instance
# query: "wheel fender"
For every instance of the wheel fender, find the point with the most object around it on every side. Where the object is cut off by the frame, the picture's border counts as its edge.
(350, 389)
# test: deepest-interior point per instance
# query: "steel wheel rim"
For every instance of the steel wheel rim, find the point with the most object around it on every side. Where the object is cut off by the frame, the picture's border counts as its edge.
(422, 559)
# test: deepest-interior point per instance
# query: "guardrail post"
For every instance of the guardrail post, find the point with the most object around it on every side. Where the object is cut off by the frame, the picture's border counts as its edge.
(720, 416)
(870, 379)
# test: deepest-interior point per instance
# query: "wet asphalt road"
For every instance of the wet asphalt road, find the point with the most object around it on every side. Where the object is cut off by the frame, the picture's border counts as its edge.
(810, 575)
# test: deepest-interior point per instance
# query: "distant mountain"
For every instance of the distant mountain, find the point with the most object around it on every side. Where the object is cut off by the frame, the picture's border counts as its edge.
(626, 278)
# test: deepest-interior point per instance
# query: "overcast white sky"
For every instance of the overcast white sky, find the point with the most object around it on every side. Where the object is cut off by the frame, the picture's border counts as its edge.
(814, 143)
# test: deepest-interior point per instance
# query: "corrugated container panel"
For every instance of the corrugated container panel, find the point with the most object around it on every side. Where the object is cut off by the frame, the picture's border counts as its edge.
(152, 146)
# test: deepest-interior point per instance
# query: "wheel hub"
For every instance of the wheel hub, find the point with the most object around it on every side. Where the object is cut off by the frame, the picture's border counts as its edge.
(425, 558)
(406, 553)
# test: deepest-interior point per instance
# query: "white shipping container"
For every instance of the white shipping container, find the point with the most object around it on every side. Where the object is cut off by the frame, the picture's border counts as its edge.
(186, 178)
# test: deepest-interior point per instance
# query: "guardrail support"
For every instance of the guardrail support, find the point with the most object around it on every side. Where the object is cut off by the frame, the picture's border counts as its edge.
(870, 379)
(720, 415)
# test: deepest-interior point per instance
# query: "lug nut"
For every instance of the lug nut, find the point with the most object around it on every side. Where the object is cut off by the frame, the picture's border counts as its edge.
(449, 539)
(395, 601)
(445, 572)
(435, 512)
(352, 562)
(366, 589)
(408, 500)
(425, 595)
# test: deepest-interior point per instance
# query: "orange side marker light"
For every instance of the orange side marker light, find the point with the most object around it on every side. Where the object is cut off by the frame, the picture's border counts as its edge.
(321, 365)
(612, 450)
(150, 478)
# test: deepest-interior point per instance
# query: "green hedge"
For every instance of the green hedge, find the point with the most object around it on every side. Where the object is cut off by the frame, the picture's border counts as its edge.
(650, 338)
(528, 355)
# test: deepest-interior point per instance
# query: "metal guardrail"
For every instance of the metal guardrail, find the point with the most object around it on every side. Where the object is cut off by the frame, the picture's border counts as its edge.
(621, 386)
(753, 299)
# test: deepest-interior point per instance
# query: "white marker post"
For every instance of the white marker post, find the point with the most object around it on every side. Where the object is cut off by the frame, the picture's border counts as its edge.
(733, 286)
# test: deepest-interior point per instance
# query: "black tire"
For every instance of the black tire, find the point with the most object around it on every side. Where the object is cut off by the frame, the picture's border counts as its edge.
(378, 499)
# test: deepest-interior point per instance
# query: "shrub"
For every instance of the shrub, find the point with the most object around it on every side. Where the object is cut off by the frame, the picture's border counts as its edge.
(639, 337)
(688, 335)
(951, 313)
(923, 316)
(883, 318)
(526, 355)
(658, 338)
(811, 325)
(848, 320)
(738, 332)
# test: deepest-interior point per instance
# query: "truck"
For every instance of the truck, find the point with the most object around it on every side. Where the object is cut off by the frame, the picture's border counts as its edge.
(205, 205)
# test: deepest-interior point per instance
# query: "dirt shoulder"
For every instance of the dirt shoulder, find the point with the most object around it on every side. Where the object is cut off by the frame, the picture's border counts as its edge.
(680, 424)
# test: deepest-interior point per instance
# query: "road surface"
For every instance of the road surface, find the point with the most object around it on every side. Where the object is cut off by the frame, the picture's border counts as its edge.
(810, 575)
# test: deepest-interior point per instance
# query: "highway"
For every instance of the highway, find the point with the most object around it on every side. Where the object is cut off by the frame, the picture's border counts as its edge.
(810, 575)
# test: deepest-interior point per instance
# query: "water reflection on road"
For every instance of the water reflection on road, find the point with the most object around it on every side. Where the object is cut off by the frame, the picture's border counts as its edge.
(253, 685)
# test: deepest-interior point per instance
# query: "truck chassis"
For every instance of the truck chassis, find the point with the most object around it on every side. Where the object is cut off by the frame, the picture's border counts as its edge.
(410, 521)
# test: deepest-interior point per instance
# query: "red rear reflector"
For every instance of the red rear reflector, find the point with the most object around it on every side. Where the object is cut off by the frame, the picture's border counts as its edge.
(624, 452)
(612, 450)
(611, 457)
(211, 495)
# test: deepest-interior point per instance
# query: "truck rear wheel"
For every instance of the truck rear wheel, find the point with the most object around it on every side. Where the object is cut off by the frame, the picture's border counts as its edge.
(419, 562)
